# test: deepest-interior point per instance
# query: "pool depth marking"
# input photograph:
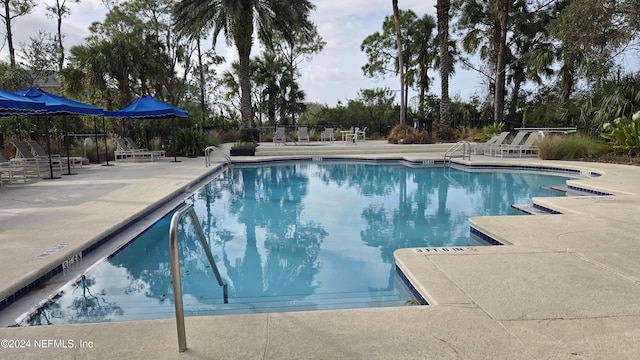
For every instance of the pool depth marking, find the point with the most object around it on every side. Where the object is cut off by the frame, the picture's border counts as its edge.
(53, 250)
(445, 250)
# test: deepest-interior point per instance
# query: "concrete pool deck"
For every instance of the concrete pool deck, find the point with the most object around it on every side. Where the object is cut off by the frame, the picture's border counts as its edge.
(565, 286)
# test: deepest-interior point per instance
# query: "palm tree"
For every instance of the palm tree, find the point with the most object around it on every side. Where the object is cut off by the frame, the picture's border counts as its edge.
(236, 19)
(396, 21)
(442, 8)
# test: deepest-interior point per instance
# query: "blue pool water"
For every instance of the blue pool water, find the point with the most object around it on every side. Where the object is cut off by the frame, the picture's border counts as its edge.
(296, 236)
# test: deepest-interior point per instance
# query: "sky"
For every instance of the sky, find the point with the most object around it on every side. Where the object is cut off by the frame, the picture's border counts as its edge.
(333, 75)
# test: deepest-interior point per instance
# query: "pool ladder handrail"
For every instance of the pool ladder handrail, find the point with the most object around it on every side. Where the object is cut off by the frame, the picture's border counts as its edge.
(460, 145)
(175, 268)
(207, 155)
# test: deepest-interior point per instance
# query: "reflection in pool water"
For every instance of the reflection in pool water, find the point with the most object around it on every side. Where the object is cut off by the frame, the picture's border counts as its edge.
(298, 236)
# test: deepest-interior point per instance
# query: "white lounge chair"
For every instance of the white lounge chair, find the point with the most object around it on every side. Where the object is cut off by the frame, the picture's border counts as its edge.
(486, 146)
(327, 135)
(24, 157)
(11, 168)
(37, 150)
(124, 152)
(528, 146)
(303, 134)
(279, 136)
(505, 148)
(133, 146)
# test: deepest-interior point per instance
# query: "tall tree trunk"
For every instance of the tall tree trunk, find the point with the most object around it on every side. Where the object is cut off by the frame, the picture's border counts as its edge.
(203, 103)
(424, 87)
(60, 45)
(7, 21)
(498, 102)
(513, 104)
(396, 20)
(442, 8)
(243, 32)
(518, 79)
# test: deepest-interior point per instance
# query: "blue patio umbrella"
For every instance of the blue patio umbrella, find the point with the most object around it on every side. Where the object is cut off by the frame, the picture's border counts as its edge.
(12, 104)
(59, 105)
(147, 107)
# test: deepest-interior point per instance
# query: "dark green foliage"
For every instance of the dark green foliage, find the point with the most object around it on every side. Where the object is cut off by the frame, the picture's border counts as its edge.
(189, 142)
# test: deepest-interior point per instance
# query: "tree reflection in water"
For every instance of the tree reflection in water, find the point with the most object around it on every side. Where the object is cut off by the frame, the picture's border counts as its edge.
(85, 307)
(290, 233)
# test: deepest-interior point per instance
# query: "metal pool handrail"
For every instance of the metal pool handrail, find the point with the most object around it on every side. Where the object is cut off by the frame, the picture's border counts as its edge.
(460, 145)
(207, 155)
(175, 268)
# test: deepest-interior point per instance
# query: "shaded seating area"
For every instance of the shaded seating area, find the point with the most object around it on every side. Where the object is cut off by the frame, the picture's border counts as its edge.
(25, 158)
(147, 107)
(39, 151)
(160, 154)
(124, 152)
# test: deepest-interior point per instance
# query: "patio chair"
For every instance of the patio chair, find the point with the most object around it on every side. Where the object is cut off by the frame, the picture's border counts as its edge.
(352, 136)
(327, 135)
(279, 137)
(303, 134)
(38, 151)
(124, 152)
(10, 168)
(133, 146)
(505, 148)
(528, 146)
(361, 134)
(24, 157)
(486, 146)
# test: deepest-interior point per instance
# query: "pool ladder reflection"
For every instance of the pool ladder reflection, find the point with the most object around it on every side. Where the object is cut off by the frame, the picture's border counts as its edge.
(175, 268)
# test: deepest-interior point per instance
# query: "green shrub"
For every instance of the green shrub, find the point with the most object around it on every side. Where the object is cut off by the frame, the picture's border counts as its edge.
(624, 134)
(489, 131)
(570, 147)
(189, 142)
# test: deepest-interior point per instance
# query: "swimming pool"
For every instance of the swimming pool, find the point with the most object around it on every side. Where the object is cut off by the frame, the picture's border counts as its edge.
(296, 236)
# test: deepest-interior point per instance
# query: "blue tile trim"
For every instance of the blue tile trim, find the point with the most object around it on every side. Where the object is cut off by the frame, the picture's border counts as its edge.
(409, 286)
(546, 209)
(594, 192)
(532, 168)
(484, 236)
(431, 162)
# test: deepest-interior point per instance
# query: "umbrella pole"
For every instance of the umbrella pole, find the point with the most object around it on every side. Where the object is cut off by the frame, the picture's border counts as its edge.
(173, 131)
(46, 130)
(95, 132)
(106, 155)
(66, 147)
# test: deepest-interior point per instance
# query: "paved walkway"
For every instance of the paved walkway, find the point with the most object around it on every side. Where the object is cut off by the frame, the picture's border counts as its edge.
(566, 286)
